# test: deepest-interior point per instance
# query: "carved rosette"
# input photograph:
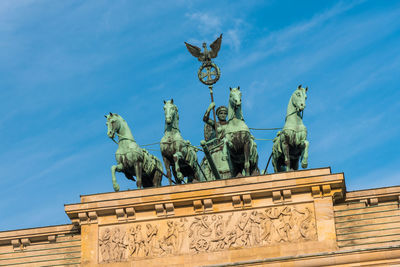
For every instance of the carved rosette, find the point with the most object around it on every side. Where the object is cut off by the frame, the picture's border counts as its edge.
(207, 233)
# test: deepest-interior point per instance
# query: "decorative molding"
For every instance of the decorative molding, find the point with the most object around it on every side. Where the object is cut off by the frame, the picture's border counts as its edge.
(198, 206)
(276, 196)
(25, 242)
(247, 200)
(92, 216)
(83, 218)
(237, 202)
(287, 195)
(180, 195)
(130, 213)
(169, 208)
(207, 233)
(121, 216)
(52, 238)
(16, 244)
(242, 201)
(326, 190)
(208, 205)
(316, 191)
(373, 201)
(160, 210)
(337, 196)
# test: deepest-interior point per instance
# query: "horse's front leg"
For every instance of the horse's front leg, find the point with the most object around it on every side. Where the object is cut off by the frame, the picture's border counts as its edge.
(179, 175)
(285, 150)
(304, 154)
(168, 169)
(139, 170)
(115, 168)
(226, 156)
(246, 150)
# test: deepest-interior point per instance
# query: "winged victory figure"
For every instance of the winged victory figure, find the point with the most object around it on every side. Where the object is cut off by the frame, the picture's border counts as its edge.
(207, 55)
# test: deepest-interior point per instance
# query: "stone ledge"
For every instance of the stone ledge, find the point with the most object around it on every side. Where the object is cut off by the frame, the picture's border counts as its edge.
(208, 184)
(383, 194)
(29, 235)
(263, 186)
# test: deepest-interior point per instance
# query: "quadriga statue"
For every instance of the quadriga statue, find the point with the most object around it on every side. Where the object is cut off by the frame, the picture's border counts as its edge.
(178, 154)
(131, 159)
(240, 147)
(291, 143)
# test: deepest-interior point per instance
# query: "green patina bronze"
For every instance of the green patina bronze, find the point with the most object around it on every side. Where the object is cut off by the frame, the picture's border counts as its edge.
(233, 152)
(131, 159)
(291, 143)
(211, 172)
(240, 148)
(210, 125)
(215, 164)
(178, 154)
(228, 145)
(208, 72)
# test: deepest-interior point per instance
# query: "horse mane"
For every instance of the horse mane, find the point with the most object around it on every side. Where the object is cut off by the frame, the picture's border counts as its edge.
(123, 123)
(175, 123)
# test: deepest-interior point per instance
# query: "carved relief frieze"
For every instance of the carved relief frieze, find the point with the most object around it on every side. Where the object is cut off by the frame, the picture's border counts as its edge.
(207, 233)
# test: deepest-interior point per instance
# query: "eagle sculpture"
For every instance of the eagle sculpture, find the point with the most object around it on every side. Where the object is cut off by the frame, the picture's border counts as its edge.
(207, 55)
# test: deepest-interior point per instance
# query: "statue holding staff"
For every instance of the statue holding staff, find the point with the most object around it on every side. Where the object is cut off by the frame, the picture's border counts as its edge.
(211, 125)
(209, 74)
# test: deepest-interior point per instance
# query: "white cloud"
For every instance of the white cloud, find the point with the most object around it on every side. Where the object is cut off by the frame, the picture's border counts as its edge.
(282, 40)
(209, 25)
(206, 22)
(233, 38)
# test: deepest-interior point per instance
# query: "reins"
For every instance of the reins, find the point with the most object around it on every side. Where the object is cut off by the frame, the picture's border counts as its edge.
(121, 139)
(294, 112)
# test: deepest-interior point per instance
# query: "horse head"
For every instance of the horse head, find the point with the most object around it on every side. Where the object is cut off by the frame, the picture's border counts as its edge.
(170, 112)
(299, 98)
(113, 124)
(235, 104)
(235, 97)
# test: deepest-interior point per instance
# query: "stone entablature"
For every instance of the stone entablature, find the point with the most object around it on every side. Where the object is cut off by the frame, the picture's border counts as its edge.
(303, 218)
(195, 198)
(226, 220)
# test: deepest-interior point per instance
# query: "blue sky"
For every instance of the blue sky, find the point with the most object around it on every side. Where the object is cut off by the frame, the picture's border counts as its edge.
(64, 64)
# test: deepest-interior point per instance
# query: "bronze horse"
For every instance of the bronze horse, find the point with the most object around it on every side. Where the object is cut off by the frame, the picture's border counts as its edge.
(240, 147)
(178, 154)
(131, 159)
(291, 143)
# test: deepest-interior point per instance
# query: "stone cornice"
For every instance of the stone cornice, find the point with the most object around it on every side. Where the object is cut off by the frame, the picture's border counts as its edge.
(199, 186)
(36, 234)
(163, 201)
(384, 192)
(375, 195)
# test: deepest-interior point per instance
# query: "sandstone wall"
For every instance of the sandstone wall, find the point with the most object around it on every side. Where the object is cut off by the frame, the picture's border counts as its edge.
(369, 218)
(45, 246)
